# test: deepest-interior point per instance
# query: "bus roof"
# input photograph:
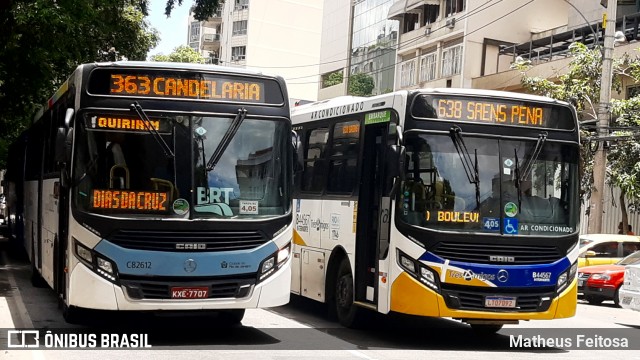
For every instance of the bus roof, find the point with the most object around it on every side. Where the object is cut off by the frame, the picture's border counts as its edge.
(176, 65)
(343, 105)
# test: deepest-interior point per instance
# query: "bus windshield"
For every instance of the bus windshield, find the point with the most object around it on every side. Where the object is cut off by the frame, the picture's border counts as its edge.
(122, 168)
(492, 192)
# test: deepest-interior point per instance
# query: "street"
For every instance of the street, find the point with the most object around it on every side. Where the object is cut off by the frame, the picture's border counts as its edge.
(298, 330)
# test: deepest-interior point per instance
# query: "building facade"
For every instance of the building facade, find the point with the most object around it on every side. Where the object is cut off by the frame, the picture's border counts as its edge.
(277, 36)
(357, 38)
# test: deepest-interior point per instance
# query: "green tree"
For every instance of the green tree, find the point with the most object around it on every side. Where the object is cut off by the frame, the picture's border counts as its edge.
(202, 9)
(581, 87)
(360, 85)
(43, 41)
(182, 53)
(332, 79)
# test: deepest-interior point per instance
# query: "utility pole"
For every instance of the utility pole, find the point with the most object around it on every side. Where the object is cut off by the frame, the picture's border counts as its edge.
(600, 157)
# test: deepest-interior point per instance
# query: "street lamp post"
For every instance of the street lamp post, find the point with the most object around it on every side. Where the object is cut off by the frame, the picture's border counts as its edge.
(600, 156)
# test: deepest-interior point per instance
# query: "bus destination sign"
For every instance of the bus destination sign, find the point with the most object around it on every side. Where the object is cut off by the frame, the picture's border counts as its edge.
(495, 111)
(197, 87)
(126, 124)
(185, 85)
(137, 201)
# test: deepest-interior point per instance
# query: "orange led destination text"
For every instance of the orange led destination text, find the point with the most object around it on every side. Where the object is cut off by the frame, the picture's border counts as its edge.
(458, 216)
(145, 85)
(123, 123)
(350, 129)
(491, 112)
(130, 200)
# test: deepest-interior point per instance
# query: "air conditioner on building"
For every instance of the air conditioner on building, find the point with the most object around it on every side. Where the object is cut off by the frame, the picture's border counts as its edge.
(235, 58)
(427, 31)
(451, 23)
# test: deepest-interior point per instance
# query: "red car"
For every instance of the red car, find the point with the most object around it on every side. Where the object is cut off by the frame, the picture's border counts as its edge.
(601, 282)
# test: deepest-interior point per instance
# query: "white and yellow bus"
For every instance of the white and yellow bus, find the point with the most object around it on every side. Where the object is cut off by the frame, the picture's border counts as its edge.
(438, 202)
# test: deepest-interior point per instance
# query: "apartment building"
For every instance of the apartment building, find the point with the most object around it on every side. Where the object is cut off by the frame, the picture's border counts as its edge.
(277, 36)
(357, 38)
(443, 43)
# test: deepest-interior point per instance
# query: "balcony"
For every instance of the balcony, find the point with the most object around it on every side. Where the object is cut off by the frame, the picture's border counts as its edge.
(214, 20)
(211, 42)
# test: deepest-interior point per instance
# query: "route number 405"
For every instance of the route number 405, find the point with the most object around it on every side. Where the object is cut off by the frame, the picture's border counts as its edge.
(491, 223)
(248, 207)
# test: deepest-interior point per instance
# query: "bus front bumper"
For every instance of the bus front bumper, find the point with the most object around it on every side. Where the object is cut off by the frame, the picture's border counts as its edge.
(105, 295)
(409, 296)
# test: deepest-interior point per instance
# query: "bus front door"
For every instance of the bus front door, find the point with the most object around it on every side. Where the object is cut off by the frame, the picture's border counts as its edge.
(371, 211)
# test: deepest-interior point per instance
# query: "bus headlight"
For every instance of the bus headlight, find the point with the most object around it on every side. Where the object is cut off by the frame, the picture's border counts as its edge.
(425, 275)
(96, 262)
(274, 262)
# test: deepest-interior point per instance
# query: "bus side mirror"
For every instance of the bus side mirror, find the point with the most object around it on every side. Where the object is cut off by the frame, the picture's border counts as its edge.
(61, 141)
(295, 143)
(590, 253)
(396, 161)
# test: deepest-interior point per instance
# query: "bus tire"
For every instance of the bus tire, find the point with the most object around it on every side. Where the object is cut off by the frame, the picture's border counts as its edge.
(36, 279)
(486, 329)
(231, 317)
(72, 314)
(347, 313)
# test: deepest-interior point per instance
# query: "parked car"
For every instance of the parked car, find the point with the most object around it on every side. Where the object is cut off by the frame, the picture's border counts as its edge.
(602, 282)
(603, 249)
(630, 289)
(3, 208)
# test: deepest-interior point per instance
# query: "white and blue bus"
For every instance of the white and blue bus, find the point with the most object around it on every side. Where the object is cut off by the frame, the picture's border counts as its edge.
(450, 203)
(147, 186)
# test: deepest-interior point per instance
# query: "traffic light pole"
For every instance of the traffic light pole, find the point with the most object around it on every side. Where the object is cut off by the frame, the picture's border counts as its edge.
(600, 156)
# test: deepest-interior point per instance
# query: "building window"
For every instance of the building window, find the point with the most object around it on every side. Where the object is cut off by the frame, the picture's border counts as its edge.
(633, 91)
(452, 60)
(411, 22)
(242, 4)
(194, 33)
(240, 27)
(431, 13)
(238, 53)
(454, 6)
(407, 73)
(428, 67)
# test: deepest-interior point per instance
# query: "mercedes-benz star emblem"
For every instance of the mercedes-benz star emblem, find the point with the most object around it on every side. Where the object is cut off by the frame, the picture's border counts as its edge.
(503, 275)
(468, 275)
(190, 265)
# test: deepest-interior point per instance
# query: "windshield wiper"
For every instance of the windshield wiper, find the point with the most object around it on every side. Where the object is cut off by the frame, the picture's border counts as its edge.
(542, 137)
(517, 180)
(147, 124)
(226, 139)
(470, 167)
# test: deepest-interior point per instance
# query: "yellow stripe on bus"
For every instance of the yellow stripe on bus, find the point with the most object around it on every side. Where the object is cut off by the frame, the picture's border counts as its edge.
(297, 239)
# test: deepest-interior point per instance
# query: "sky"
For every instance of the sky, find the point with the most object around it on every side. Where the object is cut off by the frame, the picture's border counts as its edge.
(172, 30)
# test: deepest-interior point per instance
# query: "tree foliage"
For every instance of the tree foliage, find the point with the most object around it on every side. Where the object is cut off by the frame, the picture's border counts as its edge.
(202, 9)
(332, 79)
(360, 85)
(182, 53)
(580, 86)
(43, 41)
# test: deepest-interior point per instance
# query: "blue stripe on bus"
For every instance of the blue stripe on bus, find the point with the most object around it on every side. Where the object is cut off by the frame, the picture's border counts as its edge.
(165, 263)
(516, 275)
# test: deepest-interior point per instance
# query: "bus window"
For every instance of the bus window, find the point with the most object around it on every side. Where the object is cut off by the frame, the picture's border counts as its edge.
(343, 164)
(314, 165)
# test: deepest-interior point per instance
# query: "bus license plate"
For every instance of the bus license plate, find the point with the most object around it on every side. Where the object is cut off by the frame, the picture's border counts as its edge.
(198, 292)
(500, 302)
